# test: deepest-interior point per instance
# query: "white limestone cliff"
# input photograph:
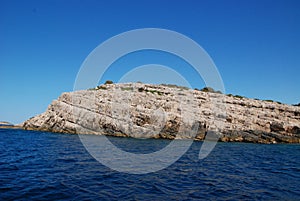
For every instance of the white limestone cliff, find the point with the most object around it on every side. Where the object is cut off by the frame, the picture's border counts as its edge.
(165, 111)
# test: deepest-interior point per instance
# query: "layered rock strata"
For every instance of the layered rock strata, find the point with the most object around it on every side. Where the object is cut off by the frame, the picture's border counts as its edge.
(167, 111)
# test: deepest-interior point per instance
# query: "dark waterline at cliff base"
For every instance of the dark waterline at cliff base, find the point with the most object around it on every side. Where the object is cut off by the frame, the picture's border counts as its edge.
(46, 166)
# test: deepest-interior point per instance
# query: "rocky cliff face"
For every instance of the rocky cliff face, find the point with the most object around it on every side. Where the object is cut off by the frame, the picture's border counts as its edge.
(160, 111)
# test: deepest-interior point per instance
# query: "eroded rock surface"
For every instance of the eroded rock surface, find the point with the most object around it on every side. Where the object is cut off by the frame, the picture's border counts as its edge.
(160, 111)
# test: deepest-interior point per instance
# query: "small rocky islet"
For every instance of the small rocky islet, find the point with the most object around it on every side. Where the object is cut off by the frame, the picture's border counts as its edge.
(5, 124)
(168, 111)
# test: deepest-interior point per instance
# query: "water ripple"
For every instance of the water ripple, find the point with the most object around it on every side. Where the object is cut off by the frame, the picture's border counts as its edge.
(47, 166)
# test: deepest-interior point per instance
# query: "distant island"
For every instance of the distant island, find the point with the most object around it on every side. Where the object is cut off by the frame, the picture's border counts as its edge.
(156, 111)
(5, 123)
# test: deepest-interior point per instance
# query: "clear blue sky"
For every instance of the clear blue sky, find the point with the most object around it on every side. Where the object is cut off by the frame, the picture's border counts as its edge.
(254, 44)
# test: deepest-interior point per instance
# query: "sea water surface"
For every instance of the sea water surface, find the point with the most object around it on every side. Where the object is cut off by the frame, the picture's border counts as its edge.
(50, 166)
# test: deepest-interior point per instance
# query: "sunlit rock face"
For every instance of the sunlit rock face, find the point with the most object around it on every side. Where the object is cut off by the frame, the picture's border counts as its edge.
(168, 111)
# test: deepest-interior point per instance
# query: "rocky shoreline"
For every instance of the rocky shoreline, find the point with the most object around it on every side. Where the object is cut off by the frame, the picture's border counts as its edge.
(168, 111)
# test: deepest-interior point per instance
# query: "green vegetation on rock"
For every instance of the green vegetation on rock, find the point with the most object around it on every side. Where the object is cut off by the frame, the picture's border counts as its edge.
(238, 96)
(108, 82)
(175, 86)
(150, 90)
(211, 90)
(126, 88)
(271, 101)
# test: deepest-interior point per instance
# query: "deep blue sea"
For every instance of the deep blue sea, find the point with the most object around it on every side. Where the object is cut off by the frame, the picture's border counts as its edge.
(49, 166)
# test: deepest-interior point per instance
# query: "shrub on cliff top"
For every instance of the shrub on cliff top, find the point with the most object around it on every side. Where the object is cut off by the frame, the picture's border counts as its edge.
(238, 96)
(108, 82)
(211, 90)
(271, 101)
(175, 86)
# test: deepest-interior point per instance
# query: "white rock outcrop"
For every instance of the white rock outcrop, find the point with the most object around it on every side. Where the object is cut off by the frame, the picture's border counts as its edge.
(167, 111)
